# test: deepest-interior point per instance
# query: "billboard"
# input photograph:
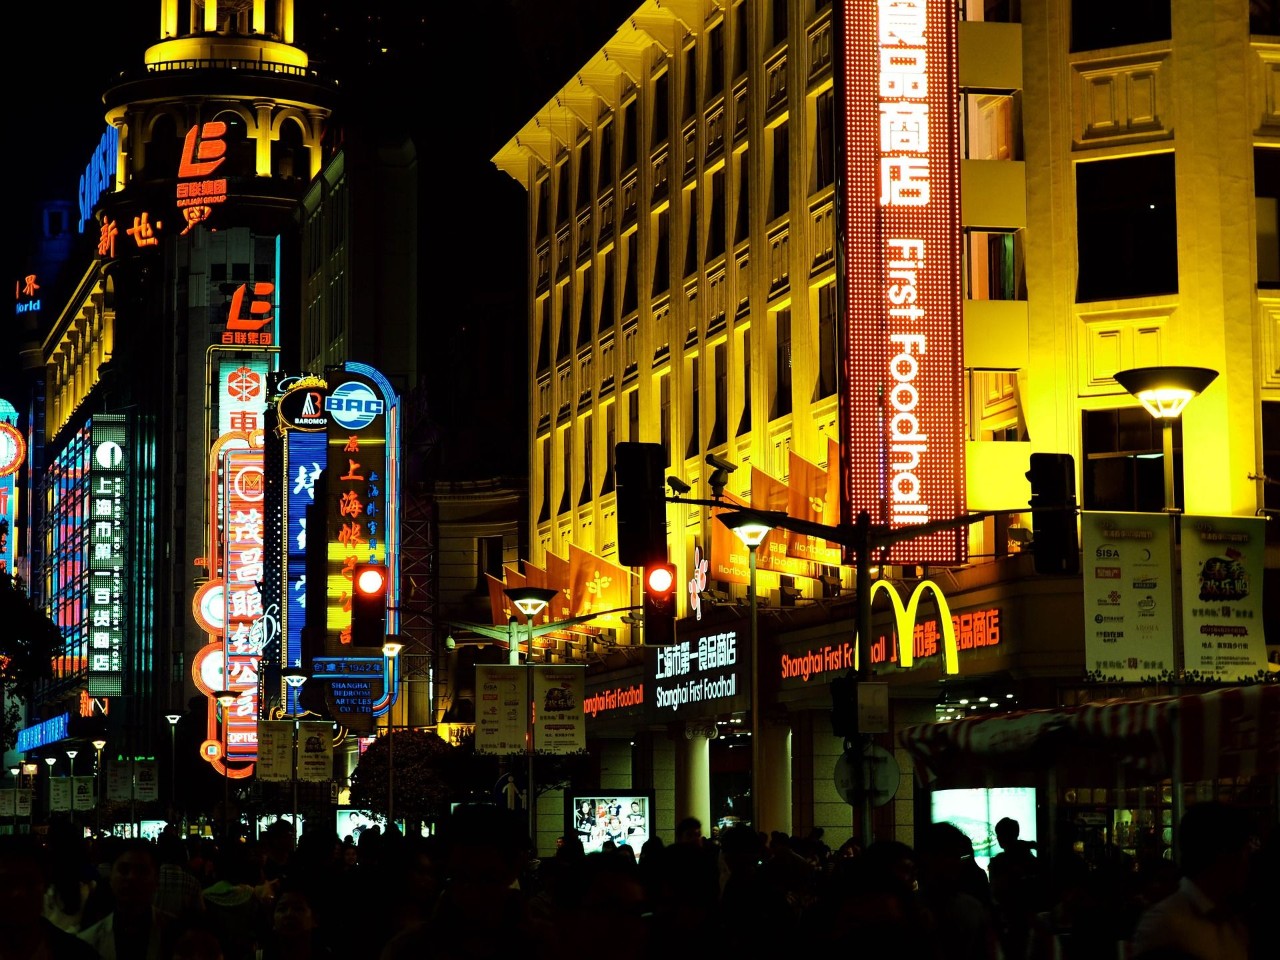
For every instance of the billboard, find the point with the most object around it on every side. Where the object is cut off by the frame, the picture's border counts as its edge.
(246, 626)
(1222, 571)
(107, 595)
(902, 411)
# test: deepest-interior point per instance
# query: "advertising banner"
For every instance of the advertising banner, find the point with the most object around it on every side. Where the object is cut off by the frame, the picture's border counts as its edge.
(1222, 569)
(558, 721)
(315, 751)
(248, 627)
(60, 794)
(22, 803)
(120, 781)
(502, 709)
(146, 781)
(8, 798)
(275, 750)
(1128, 597)
(108, 507)
(84, 795)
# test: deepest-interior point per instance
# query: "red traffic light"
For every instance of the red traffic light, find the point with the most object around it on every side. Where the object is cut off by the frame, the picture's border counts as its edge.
(660, 578)
(371, 579)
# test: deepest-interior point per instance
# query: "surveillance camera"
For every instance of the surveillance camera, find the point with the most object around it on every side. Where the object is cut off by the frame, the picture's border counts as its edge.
(720, 463)
(678, 486)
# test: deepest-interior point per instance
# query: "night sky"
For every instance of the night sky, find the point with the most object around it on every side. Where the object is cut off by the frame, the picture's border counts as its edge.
(59, 59)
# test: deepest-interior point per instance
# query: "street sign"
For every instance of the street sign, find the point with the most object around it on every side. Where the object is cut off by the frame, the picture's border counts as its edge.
(880, 776)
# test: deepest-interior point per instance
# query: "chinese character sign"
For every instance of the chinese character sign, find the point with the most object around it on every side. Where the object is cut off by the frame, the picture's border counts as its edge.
(107, 511)
(356, 489)
(697, 676)
(502, 709)
(558, 721)
(303, 461)
(903, 451)
(242, 386)
(1222, 569)
(246, 625)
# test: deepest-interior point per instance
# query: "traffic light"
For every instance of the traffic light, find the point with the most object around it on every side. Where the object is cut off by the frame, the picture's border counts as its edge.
(641, 504)
(368, 604)
(1053, 513)
(660, 604)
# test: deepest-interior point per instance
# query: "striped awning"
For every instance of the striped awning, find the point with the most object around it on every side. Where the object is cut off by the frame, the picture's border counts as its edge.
(1228, 732)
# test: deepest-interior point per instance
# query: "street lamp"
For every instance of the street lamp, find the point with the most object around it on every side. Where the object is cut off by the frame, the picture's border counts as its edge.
(71, 756)
(295, 679)
(1165, 392)
(530, 601)
(391, 650)
(50, 761)
(225, 698)
(752, 530)
(173, 719)
(97, 784)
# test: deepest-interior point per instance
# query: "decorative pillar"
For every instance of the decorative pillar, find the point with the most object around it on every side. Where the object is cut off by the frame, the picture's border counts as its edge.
(693, 772)
(775, 783)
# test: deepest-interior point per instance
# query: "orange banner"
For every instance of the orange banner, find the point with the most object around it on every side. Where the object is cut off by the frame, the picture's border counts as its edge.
(558, 577)
(728, 560)
(537, 577)
(768, 493)
(596, 584)
(499, 606)
(807, 500)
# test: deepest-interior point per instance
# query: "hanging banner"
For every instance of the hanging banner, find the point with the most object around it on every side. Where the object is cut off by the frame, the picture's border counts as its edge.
(558, 723)
(275, 750)
(8, 798)
(60, 794)
(83, 794)
(1128, 597)
(315, 751)
(22, 803)
(1222, 569)
(146, 781)
(120, 781)
(502, 710)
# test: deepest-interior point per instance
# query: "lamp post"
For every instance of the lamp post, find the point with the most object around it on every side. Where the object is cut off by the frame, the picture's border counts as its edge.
(225, 698)
(17, 785)
(50, 761)
(173, 719)
(752, 531)
(530, 601)
(29, 770)
(97, 785)
(391, 650)
(1165, 392)
(71, 757)
(295, 679)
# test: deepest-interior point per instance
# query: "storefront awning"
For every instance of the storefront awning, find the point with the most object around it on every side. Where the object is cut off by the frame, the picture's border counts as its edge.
(1229, 732)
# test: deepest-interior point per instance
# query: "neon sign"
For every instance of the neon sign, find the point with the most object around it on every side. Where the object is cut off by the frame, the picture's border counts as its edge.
(203, 151)
(903, 415)
(247, 624)
(99, 175)
(106, 598)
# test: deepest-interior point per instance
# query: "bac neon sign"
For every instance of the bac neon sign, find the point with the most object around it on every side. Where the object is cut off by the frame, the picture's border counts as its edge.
(903, 417)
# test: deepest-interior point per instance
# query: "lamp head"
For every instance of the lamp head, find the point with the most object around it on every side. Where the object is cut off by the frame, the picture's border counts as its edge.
(99, 744)
(50, 761)
(391, 649)
(173, 718)
(530, 601)
(72, 754)
(225, 697)
(295, 679)
(1165, 391)
(751, 526)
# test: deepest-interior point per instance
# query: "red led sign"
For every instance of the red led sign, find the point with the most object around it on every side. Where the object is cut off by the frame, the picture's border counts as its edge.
(903, 414)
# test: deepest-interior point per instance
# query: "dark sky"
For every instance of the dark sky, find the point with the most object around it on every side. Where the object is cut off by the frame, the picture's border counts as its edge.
(476, 94)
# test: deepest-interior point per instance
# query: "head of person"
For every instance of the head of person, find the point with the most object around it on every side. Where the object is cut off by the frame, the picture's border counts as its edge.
(689, 830)
(635, 806)
(1007, 831)
(485, 848)
(584, 808)
(293, 916)
(135, 876)
(1216, 842)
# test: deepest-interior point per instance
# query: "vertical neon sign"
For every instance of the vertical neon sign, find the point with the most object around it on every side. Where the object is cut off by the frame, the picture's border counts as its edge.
(903, 416)
(107, 508)
(246, 625)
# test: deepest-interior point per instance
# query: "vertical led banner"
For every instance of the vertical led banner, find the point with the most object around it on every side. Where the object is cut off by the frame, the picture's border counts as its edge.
(13, 452)
(357, 478)
(107, 510)
(903, 415)
(246, 626)
(300, 414)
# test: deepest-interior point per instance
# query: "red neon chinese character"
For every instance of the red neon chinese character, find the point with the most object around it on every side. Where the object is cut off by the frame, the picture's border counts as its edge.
(203, 160)
(29, 285)
(350, 535)
(349, 505)
(107, 238)
(244, 420)
(141, 230)
(259, 309)
(193, 216)
(353, 444)
(353, 470)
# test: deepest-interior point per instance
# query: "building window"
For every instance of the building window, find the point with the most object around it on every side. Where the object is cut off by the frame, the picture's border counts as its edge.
(606, 294)
(996, 265)
(740, 39)
(824, 144)
(991, 127)
(778, 22)
(691, 260)
(662, 257)
(585, 312)
(629, 135)
(715, 60)
(633, 416)
(720, 371)
(1127, 228)
(828, 340)
(566, 467)
(544, 512)
(664, 416)
(488, 561)
(605, 177)
(690, 79)
(587, 467)
(562, 193)
(1266, 189)
(744, 351)
(562, 335)
(780, 182)
(584, 175)
(544, 208)
(661, 108)
(742, 221)
(693, 448)
(780, 375)
(715, 234)
(541, 323)
(630, 297)
(1099, 24)
(1123, 461)
(1271, 469)
(610, 441)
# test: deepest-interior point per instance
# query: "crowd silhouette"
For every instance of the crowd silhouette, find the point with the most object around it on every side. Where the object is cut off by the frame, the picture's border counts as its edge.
(475, 890)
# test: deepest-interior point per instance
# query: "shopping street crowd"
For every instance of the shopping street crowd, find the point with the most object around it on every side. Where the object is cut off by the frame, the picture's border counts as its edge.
(474, 890)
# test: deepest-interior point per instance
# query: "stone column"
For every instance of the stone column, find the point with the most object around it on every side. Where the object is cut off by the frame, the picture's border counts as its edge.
(693, 772)
(775, 784)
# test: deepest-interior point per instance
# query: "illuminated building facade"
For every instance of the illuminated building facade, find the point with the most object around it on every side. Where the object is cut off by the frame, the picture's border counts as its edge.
(711, 240)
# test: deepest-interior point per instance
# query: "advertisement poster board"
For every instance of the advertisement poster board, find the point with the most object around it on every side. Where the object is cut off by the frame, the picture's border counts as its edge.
(275, 751)
(559, 725)
(598, 815)
(315, 751)
(1222, 570)
(83, 795)
(502, 709)
(1128, 597)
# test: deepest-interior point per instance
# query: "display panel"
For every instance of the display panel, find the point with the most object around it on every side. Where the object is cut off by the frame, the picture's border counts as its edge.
(976, 811)
(595, 816)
